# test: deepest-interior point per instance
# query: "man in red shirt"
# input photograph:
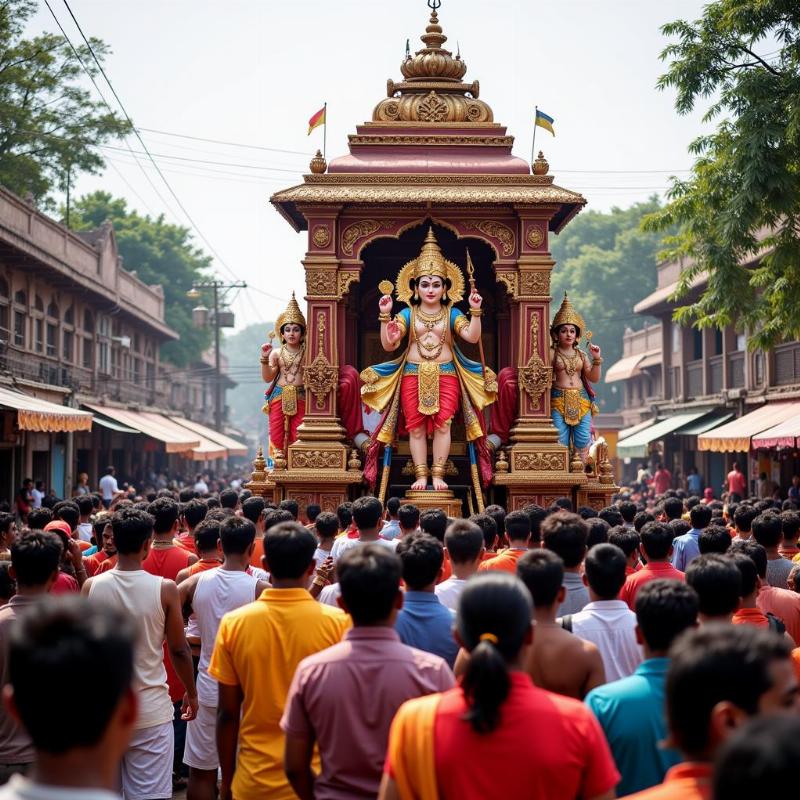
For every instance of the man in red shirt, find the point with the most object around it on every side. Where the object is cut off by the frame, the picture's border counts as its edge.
(656, 546)
(719, 676)
(192, 514)
(662, 480)
(104, 536)
(737, 483)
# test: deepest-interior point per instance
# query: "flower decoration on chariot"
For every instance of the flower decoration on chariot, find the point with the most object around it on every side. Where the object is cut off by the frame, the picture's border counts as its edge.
(430, 261)
(567, 315)
(293, 315)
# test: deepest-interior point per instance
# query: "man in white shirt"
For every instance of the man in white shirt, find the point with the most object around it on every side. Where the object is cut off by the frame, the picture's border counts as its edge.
(606, 621)
(68, 636)
(200, 486)
(367, 512)
(463, 542)
(38, 494)
(108, 486)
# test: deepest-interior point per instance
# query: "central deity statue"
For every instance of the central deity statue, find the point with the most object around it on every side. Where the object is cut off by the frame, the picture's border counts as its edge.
(421, 392)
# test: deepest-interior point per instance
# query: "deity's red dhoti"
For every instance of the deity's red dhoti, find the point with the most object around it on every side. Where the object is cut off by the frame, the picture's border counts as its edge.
(449, 393)
(276, 422)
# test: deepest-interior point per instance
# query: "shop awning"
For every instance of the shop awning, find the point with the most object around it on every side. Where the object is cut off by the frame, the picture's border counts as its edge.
(784, 434)
(651, 359)
(705, 424)
(34, 414)
(208, 449)
(624, 368)
(113, 426)
(734, 436)
(640, 426)
(636, 446)
(175, 438)
(232, 447)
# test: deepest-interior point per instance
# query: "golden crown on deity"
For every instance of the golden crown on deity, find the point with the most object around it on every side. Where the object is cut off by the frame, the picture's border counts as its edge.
(430, 261)
(567, 315)
(293, 315)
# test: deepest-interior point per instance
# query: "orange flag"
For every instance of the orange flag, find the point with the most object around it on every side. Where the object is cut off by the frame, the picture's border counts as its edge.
(317, 119)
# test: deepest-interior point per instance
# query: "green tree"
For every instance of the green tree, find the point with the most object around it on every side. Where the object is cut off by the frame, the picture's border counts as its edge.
(49, 125)
(160, 253)
(607, 264)
(742, 199)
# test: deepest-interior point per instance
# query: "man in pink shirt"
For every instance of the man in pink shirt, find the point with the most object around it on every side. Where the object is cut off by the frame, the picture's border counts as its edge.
(737, 483)
(662, 480)
(656, 547)
(356, 686)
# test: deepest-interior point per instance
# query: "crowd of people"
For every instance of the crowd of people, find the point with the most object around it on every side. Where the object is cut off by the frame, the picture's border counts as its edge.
(246, 650)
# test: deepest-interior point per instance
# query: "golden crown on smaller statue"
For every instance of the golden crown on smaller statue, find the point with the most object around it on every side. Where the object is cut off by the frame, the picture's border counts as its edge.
(567, 315)
(293, 315)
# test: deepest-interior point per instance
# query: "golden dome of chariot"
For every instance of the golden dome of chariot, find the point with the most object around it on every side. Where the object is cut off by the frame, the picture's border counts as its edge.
(430, 261)
(567, 315)
(432, 90)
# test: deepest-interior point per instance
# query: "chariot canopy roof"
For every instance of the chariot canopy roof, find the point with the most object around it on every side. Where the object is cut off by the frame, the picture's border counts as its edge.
(431, 141)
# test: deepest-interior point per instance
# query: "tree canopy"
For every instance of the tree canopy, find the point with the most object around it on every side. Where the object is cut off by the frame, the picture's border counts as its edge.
(49, 123)
(607, 264)
(739, 211)
(160, 253)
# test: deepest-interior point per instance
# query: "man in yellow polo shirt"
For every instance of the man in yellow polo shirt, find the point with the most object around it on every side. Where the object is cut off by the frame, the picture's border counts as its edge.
(255, 655)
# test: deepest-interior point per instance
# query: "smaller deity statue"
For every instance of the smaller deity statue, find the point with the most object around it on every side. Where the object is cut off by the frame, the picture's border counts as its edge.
(571, 397)
(282, 369)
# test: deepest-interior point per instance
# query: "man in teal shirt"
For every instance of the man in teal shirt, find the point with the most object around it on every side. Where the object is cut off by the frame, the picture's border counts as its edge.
(631, 711)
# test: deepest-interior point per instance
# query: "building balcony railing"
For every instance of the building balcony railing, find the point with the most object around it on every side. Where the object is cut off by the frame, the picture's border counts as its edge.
(787, 364)
(694, 379)
(715, 376)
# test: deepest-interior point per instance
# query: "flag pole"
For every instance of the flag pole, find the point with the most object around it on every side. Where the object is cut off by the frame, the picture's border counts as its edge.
(533, 142)
(325, 133)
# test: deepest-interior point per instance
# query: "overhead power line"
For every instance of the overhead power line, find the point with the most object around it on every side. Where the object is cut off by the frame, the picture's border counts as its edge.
(144, 146)
(229, 144)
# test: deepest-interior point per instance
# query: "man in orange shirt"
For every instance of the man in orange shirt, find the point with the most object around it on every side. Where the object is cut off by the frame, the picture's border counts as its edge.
(488, 526)
(790, 523)
(207, 547)
(719, 676)
(253, 509)
(748, 612)
(191, 515)
(656, 547)
(104, 536)
(518, 533)
(257, 650)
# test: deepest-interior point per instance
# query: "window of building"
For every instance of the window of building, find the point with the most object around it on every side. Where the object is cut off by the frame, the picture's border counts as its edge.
(69, 344)
(103, 357)
(87, 353)
(758, 368)
(38, 304)
(697, 344)
(3, 288)
(741, 341)
(38, 335)
(20, 298)
(717, 342)
(137, 370)
(19, 329)
(52, 333)
(4, 323)
(676, 338)
(52, 310)
(69, 316)
(88, 321)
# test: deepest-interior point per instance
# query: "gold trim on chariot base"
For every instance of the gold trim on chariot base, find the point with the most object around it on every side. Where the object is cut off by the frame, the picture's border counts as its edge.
(292, 315)
(430, 261)
(567, 315)
(428, 388)
(289, 401)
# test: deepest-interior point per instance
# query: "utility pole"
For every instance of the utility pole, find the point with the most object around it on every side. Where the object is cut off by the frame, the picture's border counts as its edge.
(200, 318)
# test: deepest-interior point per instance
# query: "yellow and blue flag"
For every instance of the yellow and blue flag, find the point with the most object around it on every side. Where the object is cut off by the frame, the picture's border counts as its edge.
(544, 121)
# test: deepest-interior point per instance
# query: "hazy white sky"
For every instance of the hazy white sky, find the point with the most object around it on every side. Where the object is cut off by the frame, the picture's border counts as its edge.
(254, 71)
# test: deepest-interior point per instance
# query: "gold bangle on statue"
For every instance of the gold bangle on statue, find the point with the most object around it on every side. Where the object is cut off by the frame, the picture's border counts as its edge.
(421, 470)
(475, 312)
(596, 362)
(384, 316)
(265, 360)
(437, 470)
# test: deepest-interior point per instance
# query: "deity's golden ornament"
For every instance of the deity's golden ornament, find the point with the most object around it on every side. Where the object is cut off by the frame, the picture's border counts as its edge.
(567, 315)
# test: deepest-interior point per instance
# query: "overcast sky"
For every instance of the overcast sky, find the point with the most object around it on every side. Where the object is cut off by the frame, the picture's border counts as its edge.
(254, 71)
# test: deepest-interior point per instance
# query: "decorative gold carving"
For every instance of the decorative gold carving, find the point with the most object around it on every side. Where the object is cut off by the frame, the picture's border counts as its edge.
(354, 462)
(358, 230)
(344, 279)
(464, 178)
(278, 461)
(321, 282)
(330, 502)
(321, 236)
(320, 377)
(535, 283)
(316, 459)
(449, 468)
(540, 166)
(540, 462)
(535, 377)
(496, 230)
(431, 140)
(432, 108)
(501, 465)
(534, 236)
(318, 164)
(510, 280)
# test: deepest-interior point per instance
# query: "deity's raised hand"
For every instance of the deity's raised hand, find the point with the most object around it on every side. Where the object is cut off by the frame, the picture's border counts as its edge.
(385, 304)
(266, 349)
(594, 350)
(475, 300)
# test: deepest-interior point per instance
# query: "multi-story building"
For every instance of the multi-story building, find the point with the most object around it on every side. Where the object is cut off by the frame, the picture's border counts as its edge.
(79, 349)
(699, 398)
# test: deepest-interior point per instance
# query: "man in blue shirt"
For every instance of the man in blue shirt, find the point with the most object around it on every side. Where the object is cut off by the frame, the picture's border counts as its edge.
(694, 482)
(686, 548)
(631, 711)
(424, 622)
